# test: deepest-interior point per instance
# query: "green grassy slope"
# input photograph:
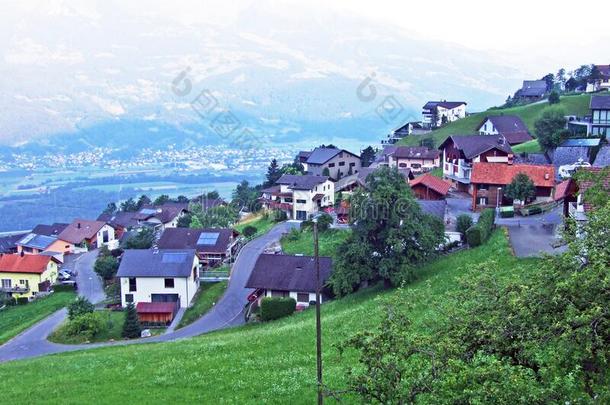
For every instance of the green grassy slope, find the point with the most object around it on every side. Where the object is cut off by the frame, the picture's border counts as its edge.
(328, 242)
(576, 105)
(14, 320)
(272, 362)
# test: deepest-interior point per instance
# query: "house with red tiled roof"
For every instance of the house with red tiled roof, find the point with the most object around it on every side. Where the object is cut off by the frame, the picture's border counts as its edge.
(83, 234)
(430, 187)
(573, 194)
(24, 275)
(489, 180)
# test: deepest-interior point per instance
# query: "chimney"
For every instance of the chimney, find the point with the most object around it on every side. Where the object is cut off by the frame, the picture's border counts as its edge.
(510, 159)
(546, 176)
(78, 225)
(22, 253)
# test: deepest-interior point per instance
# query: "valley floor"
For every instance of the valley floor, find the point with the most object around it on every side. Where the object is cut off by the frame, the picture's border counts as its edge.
(272, 362)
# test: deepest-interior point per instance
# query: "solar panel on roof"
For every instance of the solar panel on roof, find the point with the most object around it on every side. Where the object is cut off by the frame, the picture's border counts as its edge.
(27, 239)
(173, 257)
(208, 238)
(148, 211)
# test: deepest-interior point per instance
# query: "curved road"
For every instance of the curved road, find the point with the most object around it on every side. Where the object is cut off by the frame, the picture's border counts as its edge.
(227, 312)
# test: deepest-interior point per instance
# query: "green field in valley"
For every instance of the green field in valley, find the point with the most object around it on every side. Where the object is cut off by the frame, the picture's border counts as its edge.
(573, 105)
(272, 362)
(16, 319)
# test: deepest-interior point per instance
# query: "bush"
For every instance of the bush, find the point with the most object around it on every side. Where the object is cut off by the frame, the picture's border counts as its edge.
(478, 234)
(64, 287)
(22, 300)
(7, 300)
(464, 222)
(86, 325)
(80, 306)
(249, 231)
(277, 307)
(554, 97)
(474, 236)
(293, 235)
(324, 222)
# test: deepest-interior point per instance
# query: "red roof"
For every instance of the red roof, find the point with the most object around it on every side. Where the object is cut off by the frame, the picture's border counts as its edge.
(435, 183)
(561, 191)
(503, 174)
(155, 307)
(15, 263)
(583, 186)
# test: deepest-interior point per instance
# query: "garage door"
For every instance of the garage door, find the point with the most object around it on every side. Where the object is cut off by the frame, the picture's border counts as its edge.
(165, 298)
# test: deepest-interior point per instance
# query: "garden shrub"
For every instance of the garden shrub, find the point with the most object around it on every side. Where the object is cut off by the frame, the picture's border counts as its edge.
(22, 300)
(464, 221)
(474, 236)
(279, 216)
(479, 233)
(86, 325)
(63, 287)
(324, 222)
(293, 235)
(249, 231)
(80, 306)
(277, 307)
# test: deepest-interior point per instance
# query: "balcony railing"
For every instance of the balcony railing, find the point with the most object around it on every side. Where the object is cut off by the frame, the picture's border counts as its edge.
(15, 289)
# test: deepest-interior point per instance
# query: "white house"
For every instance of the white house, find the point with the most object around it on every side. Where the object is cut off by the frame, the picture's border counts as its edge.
(288, 276)
(333, 161)
(511, 127)
(300, 197)
(164, 275)
(83, 234)
(437, 113)
(603, 80)
(163, 216)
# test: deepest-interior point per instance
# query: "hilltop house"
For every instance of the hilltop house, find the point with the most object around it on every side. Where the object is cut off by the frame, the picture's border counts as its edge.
(416, 158)
(121, 221)
(460, 152)
(24, 275)
(289, 276)
(300, 197)
(490, 179)
(403, 131)
(150, 276)
(349, 183)
(429, 187)
(161, 216)
(510, 126)
(602, 82)
(600, 115)
(83, 234)
(437, 113)
(213, 246)
(532, 90)
(332, 162)
(572, 193)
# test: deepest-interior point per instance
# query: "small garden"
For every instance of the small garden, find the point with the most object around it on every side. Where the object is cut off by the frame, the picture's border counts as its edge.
(86, 325)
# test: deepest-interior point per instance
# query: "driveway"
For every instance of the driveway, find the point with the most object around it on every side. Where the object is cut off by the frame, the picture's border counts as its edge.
(531, 236)
(229, 311)
(89, 283)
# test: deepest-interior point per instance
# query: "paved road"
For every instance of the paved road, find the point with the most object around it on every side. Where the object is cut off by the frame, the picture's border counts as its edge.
(227, 312)
(89, 283)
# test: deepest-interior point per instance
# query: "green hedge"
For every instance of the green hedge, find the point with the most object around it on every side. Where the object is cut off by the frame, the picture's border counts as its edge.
(478, 234)
(22, 300)
(63, 287)
(277, 307)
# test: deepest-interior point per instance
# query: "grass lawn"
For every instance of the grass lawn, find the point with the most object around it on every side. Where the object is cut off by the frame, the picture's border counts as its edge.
(261, 224)
(528, 147)
(113, 326)
(207, 296)
(437, 171)
(328, 242)
(573, 105)
(14, 320)
(273, 362)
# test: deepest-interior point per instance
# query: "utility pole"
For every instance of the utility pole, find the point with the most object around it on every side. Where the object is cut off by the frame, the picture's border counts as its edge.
(318, 321)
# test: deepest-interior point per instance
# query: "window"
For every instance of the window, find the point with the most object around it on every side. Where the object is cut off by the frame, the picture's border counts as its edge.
(303, 297)
(128, 297)
(482, 200)
(341, 163)
(132, 284)
(402, 165)
(169, 283)
(301, 202)
(416, 165)
(6, 283)
(288, 199)
(483, 186)
(352, 164)
(331, 165)
(278, 293)
(195, 274)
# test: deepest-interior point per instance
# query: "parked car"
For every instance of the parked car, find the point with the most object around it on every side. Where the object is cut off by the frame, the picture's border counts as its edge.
(64, 276)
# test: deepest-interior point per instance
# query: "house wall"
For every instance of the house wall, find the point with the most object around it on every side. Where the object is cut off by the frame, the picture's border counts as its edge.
(303, 199)
(60, 246)
(488, 128)
(293, 294)
(338, 166)
(543, 194)
(146, 286)
(416, 165)
(32, 279)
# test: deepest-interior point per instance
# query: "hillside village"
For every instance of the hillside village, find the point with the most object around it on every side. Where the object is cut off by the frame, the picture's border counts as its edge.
(177, 267)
